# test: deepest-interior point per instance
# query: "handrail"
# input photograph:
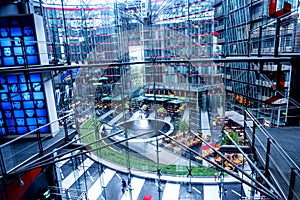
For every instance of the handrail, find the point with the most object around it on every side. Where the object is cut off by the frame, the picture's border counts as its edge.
(31, 132)
(275, 20)
(267, 135)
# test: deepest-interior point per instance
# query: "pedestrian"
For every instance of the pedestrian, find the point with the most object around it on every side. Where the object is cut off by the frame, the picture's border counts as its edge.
(225, 192)
(124, 185)
(215, 176)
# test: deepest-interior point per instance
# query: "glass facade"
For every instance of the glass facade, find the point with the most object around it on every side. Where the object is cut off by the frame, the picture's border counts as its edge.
(146, 93)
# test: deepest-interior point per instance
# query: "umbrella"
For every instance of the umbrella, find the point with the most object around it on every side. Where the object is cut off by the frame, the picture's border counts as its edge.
(103, 78)
(206, 147)
(106, 99)
(147, 197)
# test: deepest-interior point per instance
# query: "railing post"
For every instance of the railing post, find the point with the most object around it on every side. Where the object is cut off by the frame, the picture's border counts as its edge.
(39, 138)
(253, 141)
(66, 130)
(3, 173)
(277, 38)
(259, 41)
(292, 184)
(268, 158)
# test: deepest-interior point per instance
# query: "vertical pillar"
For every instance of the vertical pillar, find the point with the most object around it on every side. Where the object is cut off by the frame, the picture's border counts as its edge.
(268, 157)
(292, 184)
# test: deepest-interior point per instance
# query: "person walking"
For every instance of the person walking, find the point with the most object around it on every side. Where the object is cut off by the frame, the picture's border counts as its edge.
(124, 185)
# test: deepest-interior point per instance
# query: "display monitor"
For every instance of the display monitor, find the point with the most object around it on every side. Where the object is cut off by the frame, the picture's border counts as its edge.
(31, 121)
(35, 78)
(18, 113)
(15, 31)
(18, 38)
(28, 104)
(22, 103)
(38, 95)
(12, 79)
(41, 112)
(29, 40)
(4, 32)
(22, 130)
(18, 51)
(9, 61)
(5, 42)
(10, 122)
(4, 88)
(15, 96)
(5, 105)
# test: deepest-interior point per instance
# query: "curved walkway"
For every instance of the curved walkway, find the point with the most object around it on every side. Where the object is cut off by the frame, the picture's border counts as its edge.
(107, 185)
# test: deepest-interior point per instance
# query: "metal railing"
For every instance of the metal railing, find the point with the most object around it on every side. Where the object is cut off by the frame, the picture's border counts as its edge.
(276, 163)
(34, 143)
(277, 37)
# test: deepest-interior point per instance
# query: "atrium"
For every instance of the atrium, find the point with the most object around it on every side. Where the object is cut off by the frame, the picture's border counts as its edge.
(141, 99)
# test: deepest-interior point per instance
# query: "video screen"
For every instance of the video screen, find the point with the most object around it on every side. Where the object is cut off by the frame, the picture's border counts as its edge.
(45, 129)
(22, 104)
(18, 41)
(10, 122)
(18, 51)
(15, 96)
(31, 121)
(9, 61)
(29, 40)
(41, 112)
(18, 113)
(33, 60)
(35, 78)
(5, 105)
(28, 104)
(4, 88)
(22, 130)
(5, 42)
(38, 95)
(12, 79)
(15, 31)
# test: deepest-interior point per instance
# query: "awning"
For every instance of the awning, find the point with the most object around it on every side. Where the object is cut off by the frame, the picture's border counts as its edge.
(175, 101)
(106, 98)
(118, 98)
(140, 98)
(103, 78)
